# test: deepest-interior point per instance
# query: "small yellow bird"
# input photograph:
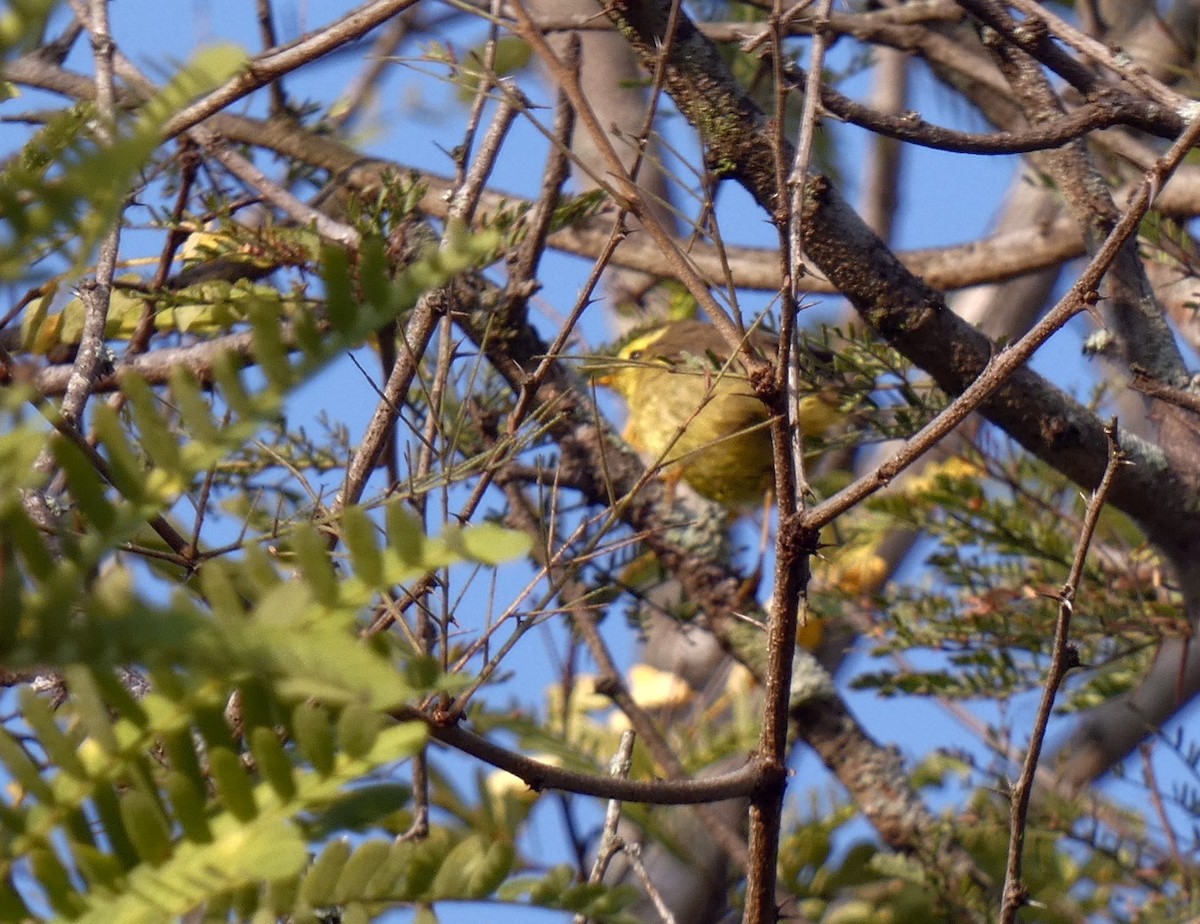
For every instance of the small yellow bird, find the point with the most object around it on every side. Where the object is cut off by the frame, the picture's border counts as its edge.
(692, 409)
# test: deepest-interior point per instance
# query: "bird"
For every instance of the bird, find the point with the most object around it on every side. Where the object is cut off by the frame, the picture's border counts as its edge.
(693, 410)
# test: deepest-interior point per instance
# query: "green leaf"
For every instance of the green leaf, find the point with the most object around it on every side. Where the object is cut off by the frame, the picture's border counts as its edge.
(357, 730)
(146, 827)
(420, 862)
(193, 407)
(233, 785)
(216, 581)
(281, 896)
(12, 906)
(101, 870)
(55, 881)
(81, 197)
(312, 555)
(492, 544)
(339, 295)
(85, 484)
(313, 653)
(405, 537)
(361, 537)
(85, 693)
(22, 769)
(364, 863)
(124, 466)
(558, 889)
(108, 807)
(473, 869)
(320, 882)
(273, 763)
(189, 808)
(155, 436)
(313, 731)
(354, 913)
(360, 808)
(181, 755)
(269, 349)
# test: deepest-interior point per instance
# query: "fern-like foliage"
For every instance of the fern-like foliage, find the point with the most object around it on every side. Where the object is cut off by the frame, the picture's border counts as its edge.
(996, 571)
(226, 745)
(68, 186)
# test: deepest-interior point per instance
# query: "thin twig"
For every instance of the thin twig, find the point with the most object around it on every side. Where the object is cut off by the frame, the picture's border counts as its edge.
(633, 853)
(346, 109)
(524, 404)
(881, 180)
(417, 334)
(621, 188)
(658, 79)
(610, 842)
(300, 212)
(266, 29)
(273, 64)
(1183, 865)
(1063, 658)
(184, 553)
(991, 259)
(422, 322)
(1179, 397)
(523, 266)
(430, 431)
(486, 80)
(466, 198)
(798, 178)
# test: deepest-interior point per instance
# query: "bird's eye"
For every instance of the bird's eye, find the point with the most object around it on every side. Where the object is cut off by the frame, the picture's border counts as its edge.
(636, 354)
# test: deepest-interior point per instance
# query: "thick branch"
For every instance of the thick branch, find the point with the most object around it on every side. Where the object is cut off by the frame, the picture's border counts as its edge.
(736, 784)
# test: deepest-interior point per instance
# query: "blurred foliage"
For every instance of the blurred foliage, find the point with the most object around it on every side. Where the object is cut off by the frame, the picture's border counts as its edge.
(131, 809)
(257, 722)
(68, 186)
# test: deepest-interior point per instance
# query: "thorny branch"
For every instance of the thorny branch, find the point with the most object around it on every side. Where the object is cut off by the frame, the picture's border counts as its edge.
(1062, 659)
